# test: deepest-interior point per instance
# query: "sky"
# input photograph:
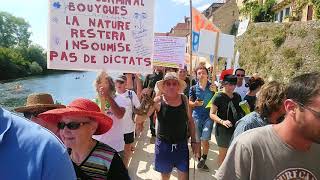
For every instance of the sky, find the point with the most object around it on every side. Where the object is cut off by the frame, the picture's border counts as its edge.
(167, 14)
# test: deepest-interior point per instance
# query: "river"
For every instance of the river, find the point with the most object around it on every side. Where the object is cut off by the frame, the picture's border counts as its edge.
(63, 87)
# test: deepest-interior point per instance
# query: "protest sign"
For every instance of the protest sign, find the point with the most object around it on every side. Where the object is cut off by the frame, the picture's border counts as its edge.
(199, 21)
(169, 51)
(101, 34)
(207, 44)
(243, 26)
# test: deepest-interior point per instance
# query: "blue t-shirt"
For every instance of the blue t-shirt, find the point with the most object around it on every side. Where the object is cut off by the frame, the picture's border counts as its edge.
(201, 112)
(29, 151)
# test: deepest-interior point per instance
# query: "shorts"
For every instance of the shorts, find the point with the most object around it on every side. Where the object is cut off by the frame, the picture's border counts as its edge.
(168, 156)
(205, 127)
(128, 138)
(223, 136)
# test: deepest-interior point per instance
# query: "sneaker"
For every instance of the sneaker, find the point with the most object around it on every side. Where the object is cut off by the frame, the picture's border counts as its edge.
(202, 166)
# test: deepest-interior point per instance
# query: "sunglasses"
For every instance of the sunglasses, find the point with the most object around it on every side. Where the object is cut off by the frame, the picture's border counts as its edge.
(240, 75)
(314, 112)
(71, 125)
(171, 83)
(29, 115)
(120, 82)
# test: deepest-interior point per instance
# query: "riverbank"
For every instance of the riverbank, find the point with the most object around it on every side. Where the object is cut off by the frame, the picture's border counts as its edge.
(64, 87)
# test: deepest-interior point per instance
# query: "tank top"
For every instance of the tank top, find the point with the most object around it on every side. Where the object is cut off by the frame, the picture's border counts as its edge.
(172, 123)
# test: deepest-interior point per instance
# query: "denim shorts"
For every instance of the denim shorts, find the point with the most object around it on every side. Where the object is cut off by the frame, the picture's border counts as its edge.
(168, 156)
(205, 127)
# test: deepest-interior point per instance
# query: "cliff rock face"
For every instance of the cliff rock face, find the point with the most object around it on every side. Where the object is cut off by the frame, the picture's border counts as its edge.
(280, 51)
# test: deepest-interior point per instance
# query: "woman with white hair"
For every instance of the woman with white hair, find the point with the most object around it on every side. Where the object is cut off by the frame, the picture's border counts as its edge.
(77, 123)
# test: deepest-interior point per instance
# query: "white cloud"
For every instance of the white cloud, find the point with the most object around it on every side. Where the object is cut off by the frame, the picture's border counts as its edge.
(187, 2)
(203, 7)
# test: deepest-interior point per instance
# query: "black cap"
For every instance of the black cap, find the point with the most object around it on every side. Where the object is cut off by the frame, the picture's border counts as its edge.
(232, 79)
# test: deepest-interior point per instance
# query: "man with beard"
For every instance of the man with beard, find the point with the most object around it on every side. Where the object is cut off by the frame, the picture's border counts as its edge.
(288, 150)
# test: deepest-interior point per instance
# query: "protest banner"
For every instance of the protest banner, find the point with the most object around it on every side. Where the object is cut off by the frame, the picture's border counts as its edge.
(101, 34)
(243, 26)
(199, 21)
(169, 51)
(208, 44)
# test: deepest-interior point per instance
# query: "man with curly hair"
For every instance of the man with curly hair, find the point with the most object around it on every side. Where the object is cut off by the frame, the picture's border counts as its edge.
(269, 109)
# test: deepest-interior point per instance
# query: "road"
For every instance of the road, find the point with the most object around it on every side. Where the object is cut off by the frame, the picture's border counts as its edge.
(142, 163)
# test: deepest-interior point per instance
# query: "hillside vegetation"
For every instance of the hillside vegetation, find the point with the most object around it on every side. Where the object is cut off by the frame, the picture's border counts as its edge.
(279, 51)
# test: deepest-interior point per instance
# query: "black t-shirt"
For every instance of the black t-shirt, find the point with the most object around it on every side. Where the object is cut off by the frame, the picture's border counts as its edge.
(221, 100)
(186, 91)
(251, 101)
(151, 80)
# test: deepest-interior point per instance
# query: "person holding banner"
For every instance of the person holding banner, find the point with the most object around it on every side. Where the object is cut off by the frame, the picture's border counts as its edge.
(114, 106)
(149, 85)
(182, 73)
(225, 111)
(175, 125)
(199, 96)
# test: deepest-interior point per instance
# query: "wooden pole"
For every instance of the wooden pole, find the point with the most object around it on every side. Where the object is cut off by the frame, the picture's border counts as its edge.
(215, 59)
(190, 49)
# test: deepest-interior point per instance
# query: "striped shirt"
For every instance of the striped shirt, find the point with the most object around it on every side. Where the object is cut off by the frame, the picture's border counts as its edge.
(97, 164)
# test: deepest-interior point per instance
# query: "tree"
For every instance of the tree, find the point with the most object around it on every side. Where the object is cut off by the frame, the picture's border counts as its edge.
(259, 12)
(14, 31)
(35, 53)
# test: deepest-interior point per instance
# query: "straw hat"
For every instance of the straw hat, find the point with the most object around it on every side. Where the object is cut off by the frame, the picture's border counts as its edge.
(38, 101)
(171, 76)
(83, 108)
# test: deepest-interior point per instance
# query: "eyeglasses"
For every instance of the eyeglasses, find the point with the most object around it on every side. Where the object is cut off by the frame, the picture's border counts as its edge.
(240, 75)
(71, 125)
(314, 112)
(29, 115)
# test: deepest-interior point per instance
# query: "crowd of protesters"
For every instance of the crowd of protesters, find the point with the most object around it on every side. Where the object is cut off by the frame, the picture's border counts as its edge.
(264, 130)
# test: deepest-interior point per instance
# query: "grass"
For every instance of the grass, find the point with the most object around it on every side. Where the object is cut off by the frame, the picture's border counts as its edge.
(289, 53)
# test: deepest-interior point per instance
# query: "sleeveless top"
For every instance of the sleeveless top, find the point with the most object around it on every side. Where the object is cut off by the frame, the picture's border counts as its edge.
(172, 123)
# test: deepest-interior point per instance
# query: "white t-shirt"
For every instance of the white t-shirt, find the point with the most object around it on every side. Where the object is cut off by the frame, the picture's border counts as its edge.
(114, 137)
(127, 122)
(242, 90)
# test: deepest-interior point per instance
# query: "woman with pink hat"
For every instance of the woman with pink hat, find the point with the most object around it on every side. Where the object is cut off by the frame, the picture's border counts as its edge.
(77, 123)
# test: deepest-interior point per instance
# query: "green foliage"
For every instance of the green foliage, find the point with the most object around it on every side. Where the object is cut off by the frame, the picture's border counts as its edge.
(12, 64)
(297, 62)
(302, 33)
(35, 53)
(14, 31)
(316, 4)
(279, 39)
(317, 47)
(35, 68)
(289, 53)
(259, 12)
(234, 29)
(17, 57)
